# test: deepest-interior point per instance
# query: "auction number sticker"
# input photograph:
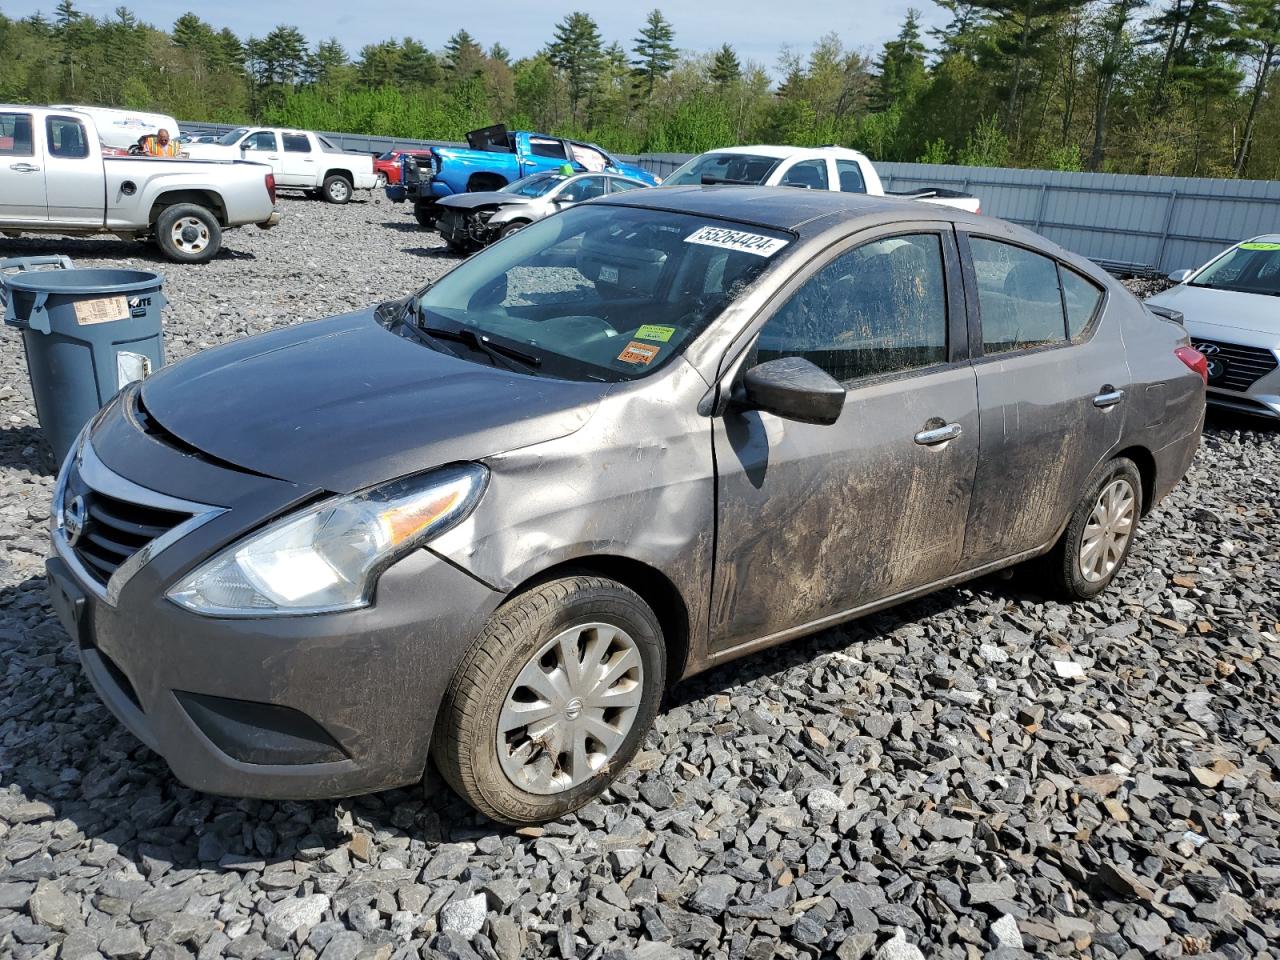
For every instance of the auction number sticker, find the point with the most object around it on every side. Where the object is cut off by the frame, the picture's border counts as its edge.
(1260, 245)
(636, 352)
(652, 331)
(726, 239)
(101, 310)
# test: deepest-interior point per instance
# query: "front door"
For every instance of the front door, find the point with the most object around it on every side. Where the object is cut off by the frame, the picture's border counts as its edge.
(22, 191)
(816, 521)
(1052, 379)
(261, 146)
(298, 162)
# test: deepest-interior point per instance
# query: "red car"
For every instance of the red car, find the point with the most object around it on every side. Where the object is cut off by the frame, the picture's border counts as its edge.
(388, 164)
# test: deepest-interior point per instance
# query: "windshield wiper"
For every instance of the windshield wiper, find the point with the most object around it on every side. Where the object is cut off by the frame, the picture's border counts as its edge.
(499, 354)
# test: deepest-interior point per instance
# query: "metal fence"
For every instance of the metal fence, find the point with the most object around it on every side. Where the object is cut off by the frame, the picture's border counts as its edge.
(1130, 224)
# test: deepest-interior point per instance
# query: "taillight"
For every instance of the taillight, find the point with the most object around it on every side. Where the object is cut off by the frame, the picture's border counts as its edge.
(1194, 359)
(271, 186)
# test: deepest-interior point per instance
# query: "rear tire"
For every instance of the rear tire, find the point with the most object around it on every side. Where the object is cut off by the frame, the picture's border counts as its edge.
(336, 188)
(1099, 535)
(188, 233)
(583, 657)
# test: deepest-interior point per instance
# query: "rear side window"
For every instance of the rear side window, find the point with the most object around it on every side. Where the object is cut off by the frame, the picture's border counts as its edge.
(806, 173)
(66, 138)
(880, 308)
(850, 174)
(296, 143)
(1081, 298)
(546, 147)
(15, 135)
(1018, 296)
(618, 185)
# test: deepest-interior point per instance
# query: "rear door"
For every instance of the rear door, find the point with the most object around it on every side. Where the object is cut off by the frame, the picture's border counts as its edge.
(1052, 378)
(22, 191)
(298, 161)
(816, 521)
(75, 181)
(542, 154)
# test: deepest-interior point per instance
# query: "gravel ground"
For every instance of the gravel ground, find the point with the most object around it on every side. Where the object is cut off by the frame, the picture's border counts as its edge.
(977, 773)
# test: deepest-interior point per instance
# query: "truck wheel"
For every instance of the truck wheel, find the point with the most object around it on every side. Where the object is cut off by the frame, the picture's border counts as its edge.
(552, 700)
(337, 188)
(188, 233)
(425, 214)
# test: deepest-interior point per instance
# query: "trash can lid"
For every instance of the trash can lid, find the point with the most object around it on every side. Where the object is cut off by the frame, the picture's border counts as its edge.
(75, 282)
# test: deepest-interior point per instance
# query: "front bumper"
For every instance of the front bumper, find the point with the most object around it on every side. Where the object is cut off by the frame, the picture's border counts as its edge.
(279, 707)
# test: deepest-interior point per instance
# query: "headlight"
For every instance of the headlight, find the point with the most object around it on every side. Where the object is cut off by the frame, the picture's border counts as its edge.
(327, 557)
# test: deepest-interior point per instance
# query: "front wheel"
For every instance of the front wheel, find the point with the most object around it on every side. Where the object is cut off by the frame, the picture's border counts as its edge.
(425, 214)
(188, 233)
(515, 226)
(336, 188)
(552, 700)
(1099, 534)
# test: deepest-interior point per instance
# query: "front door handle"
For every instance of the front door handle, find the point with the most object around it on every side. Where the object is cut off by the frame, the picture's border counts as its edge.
(1109, 397)
(24, 167)
(936, 435)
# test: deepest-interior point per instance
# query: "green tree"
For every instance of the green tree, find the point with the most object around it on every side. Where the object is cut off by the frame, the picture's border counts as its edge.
(725, 68)
(900, 70)
(1259, 22)
(655, 52)
(416, 67)
(577, 53)
(1112, 49)
(329, 65)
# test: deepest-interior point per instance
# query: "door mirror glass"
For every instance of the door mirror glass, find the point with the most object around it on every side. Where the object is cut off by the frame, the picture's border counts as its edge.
(793, 388)
(1180, 276)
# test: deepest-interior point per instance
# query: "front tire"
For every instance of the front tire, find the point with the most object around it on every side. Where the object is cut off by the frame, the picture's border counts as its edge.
(552, 700)
(336, 188)
(1100, 533)
(188, 233)
(425, 214)
(515, 226)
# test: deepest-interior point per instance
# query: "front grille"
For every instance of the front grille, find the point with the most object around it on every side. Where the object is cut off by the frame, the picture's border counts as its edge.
(113, 530)
(1244, 365)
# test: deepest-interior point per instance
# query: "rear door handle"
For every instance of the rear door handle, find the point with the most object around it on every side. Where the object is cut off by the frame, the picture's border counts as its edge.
(24, 167)
(936, 435)
(1109, 397)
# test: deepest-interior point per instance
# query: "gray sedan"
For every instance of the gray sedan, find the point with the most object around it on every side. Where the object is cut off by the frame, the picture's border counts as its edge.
(468, 221)
(486, 525)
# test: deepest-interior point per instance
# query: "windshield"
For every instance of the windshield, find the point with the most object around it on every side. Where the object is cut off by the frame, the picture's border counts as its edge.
(229, 139)
(534, 186)
(599, 292)
(723, 168)
(1252, 267)
(389, 155)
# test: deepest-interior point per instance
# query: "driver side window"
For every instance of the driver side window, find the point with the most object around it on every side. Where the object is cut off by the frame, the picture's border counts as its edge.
(879, 308)
(262, 140)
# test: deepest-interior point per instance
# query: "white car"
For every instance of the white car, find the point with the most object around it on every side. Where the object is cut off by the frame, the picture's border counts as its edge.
(1231, 309)
(121, 129)
(300, 160)
(814, 168)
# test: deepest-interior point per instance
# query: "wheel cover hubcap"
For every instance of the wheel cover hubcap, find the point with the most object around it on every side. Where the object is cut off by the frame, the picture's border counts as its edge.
(570, 709)
(190, 234)
(1108, 530)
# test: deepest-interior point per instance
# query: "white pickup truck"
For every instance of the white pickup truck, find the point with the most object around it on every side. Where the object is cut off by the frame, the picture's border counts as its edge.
(300, 159)
(54, 179)
(815, 168)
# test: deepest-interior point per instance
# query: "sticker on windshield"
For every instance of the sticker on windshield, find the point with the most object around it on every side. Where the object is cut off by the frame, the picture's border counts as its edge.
(1259, 245)
(608, 274)
(636, 352)
(726, 239)
(651, 331)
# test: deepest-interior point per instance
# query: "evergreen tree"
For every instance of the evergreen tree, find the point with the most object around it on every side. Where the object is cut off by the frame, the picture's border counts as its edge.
(378, 64)
(725, 68)
(328, 65)
(655, 52)
(577, 53)
(900, 70)
(416, 67)
(1259, 22)
(1113, 48)
(500, 54)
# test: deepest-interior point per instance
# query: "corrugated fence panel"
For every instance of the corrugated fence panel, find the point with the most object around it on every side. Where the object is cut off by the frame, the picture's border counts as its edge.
(1138, 223)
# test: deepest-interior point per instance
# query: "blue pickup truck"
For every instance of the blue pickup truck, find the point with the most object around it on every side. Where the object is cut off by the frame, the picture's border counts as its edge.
(495, 157)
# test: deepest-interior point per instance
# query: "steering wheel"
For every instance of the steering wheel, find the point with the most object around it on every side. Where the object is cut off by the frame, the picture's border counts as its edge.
(135, 150)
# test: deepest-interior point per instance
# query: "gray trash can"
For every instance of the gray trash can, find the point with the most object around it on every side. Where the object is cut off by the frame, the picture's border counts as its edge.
(87, 334)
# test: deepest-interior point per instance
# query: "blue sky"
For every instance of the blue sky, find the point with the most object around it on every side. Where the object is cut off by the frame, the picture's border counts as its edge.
(756, 28)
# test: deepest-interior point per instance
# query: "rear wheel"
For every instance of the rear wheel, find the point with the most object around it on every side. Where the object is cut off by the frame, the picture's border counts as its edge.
(1099, 534)
(552, 700)
(188, 233)
(336, 188)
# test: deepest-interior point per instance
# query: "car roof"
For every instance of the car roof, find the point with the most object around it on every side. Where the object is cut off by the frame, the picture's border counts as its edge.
(791, 209)
(783, 152)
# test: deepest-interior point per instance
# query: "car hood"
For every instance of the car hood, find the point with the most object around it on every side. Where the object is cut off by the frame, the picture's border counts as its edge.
(1228, 309)
(344, 403)
(484, 198)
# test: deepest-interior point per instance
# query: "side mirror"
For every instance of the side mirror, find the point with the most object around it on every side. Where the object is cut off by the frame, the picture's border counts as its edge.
(1180, 276)
(793, 388)
(244, 145)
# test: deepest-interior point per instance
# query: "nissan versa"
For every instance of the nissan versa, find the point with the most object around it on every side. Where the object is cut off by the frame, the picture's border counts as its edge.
(486, 524)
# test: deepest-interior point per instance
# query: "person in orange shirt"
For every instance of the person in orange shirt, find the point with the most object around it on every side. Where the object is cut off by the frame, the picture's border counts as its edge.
(160, 145)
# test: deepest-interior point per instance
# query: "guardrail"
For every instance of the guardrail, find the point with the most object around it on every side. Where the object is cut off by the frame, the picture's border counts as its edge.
(1129, 224)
